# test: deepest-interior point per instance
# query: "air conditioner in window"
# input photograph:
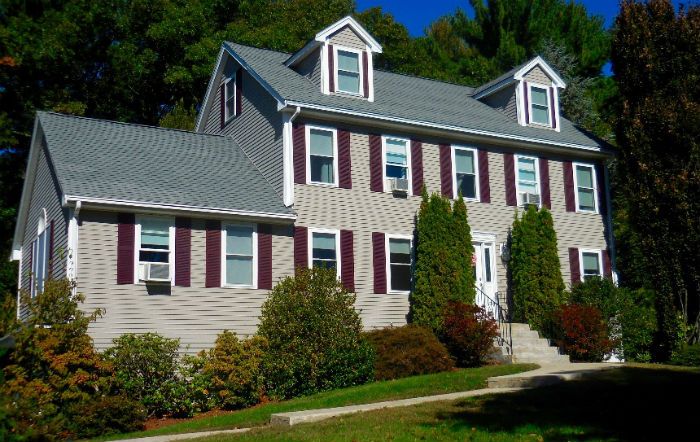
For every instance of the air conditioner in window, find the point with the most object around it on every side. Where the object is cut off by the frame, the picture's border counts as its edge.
(529, 199)
(399, 185)
(155, 272)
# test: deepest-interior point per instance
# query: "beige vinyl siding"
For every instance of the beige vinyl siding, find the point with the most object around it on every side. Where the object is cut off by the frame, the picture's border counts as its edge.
(45, 194)
(258, 130)
(537, 75)
(194, 314)
(504, 100)
(310, 67)
(348, 38)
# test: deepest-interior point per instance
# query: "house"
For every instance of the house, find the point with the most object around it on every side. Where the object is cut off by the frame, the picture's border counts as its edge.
(311, 158)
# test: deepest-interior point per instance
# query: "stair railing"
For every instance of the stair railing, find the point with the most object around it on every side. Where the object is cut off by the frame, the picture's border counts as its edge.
(500, 314)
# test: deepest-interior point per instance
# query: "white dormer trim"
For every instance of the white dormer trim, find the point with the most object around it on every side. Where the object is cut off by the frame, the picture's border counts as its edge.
(557, 81)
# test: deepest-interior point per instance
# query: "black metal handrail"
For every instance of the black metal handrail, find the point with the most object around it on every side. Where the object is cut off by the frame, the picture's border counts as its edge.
(500, 314)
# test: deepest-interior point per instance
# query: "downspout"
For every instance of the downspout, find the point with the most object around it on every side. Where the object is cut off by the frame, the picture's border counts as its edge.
(288, 172)
(72, 259)
(611, 234)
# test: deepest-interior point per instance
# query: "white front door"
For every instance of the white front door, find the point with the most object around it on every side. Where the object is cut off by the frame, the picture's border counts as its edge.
(485, 273)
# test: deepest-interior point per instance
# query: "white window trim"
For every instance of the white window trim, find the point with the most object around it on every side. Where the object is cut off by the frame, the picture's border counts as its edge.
(537, 177)
(137, 245)
(408, 162)
(254, 284)
(595, 187)
(387, 265)
(310, 251)
(455, 191)
(600, 261)
(307, 137)
(530, 104)
(360, 92)
(231, 78)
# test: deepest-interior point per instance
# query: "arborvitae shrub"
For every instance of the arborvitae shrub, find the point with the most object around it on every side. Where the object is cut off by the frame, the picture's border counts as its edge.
(581, 332)
(469, 333)
(314, 336)
(407, 351)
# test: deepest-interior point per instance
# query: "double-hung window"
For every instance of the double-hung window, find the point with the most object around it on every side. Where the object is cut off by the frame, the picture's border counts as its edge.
(40, 254)
(465, 172)
(325, 245)
(527, 177)
(397, 159)
(230, 97)
(586, 188)
(155, 248)
(399, 263)
(348, 71)
(323, 154)
(539, 105)
(591, 265)
(239, 255)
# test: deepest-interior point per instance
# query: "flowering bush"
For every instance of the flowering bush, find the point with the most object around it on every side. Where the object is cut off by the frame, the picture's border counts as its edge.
(469, 333)
(581, 332)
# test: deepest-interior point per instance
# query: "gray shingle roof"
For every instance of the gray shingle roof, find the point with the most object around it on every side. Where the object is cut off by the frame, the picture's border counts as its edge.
(130, 162)
(406, 97)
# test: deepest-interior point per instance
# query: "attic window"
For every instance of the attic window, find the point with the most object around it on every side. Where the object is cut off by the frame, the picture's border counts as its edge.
(230, 97)
(348, 72)
(539, 107)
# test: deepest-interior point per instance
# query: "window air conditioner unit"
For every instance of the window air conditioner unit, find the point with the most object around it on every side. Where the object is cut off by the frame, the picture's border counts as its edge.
(155, 272)
(399, 185)
(529, 199)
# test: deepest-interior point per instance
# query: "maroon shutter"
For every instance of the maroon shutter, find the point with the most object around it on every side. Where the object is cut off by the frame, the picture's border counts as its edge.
(484, 186)
(347, 260)
(569, 191)
(446, 170)
(213, 254)
(344, 161)
(239, 91)
(301, 248)
(331, 70)
(509, 169)
(600, 178)
(51, 249)
(299, 146)
(183, 251)
(125, 248)
(222, 103)
(552, 108)
(376, 182)
(365, 71)
(417, 166)
(264, 256)
(544, 177)
(607, 267)
(527, 103)
(575, 266)
(379, 262)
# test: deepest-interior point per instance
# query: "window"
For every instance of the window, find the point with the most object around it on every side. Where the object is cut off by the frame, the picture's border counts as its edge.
(539, 105)
(399, 264)
(40, 256)
(397, 158)
(323, 150)
(324, 249)
(465, 172)
(156, 242)
(590, 264)
(230, 97)
(586, 195)
(348, 72)
(239, 255)
(527, 176)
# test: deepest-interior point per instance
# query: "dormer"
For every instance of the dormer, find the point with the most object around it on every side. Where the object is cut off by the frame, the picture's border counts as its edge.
(339, 60)
(529, 93)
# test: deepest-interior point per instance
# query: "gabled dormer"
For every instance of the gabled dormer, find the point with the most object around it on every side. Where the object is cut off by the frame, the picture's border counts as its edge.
(528, 93)
(339, 60)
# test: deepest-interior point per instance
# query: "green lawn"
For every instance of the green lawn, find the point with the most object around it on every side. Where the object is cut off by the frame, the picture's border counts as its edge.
(460, 380)
(634, 403)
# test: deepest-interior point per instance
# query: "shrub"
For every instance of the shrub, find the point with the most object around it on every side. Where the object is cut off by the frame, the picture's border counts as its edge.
(107, 415)
(688, 356)
(581, 332)
(234, 370)
(600, 293)
(147, 370)
(407, 351)
(469, 333)
(314, 336)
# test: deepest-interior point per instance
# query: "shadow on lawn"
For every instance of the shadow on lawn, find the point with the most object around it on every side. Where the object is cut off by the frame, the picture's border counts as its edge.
(622, 404)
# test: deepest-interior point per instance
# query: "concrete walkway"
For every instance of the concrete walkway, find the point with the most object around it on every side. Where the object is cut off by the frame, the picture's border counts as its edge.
(545, 375)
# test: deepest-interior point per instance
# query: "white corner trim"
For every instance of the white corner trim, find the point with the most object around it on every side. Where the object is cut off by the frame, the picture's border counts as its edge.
(556, 79)
(288, 157)
(557, 108)
(370, 74)
(324, 34)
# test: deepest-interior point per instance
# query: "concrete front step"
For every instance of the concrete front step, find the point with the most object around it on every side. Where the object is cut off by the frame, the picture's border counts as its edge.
(529, 347)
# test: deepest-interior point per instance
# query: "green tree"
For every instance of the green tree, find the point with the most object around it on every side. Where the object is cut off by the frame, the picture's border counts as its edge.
(179, 117)
(655, 59)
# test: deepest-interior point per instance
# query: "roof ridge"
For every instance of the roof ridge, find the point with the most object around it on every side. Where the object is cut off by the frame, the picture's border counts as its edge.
(256, 47)
(424, 78)
(125, 123)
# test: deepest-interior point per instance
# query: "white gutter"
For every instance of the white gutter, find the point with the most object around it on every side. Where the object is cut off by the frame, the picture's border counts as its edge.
(288, 157)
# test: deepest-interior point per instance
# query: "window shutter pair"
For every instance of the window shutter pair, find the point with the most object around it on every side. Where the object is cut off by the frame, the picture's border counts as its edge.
(575, 265)
(446, 173)
(239, 96)
(299, 154)
(509, 170)
(347, 255)
(213, 255)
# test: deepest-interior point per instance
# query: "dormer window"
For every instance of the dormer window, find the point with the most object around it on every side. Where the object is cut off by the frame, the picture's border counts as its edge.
(348, 72)
(539, 105)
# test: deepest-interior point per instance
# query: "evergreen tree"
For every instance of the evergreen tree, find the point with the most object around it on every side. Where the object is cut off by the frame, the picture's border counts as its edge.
(464, 290)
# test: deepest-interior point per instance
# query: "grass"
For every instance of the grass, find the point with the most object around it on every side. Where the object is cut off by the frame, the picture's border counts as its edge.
(632, 403)
(439, 383)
